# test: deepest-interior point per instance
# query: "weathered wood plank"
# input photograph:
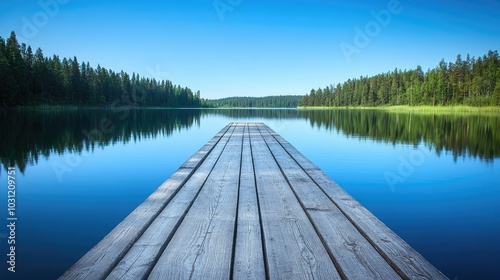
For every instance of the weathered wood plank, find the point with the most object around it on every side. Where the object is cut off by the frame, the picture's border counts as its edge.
(248, 205)
(402, 258)
(292, 247)
(248, 255)
(103, 257)
(202, 246)
(354, 255)
(139, 260)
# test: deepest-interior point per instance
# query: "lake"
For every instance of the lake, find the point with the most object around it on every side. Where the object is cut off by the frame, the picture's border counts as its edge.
(434, 179)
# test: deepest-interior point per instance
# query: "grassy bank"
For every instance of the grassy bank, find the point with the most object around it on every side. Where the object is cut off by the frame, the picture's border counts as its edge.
(423, 109)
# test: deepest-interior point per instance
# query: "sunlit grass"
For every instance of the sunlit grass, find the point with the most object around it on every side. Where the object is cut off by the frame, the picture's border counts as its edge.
(419, 109)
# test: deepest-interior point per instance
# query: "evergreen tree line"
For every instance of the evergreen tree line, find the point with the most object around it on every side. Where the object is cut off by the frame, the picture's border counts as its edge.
(284, 101)
(473, 82)
(28, 79)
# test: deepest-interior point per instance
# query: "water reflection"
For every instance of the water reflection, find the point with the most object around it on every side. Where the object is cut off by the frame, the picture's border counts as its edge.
(463, 135)
(28, 135)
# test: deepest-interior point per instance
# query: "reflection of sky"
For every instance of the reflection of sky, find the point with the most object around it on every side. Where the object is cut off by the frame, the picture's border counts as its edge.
(441, 204)
(65, 219)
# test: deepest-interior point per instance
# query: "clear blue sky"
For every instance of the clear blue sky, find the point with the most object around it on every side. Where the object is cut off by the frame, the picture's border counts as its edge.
(255, 47)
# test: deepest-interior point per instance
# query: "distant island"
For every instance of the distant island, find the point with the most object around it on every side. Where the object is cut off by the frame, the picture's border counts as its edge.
(282, 101)
(469, 82)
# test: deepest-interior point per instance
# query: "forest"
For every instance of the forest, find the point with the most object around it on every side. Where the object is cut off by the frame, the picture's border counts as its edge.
(469, 81)
(285, 101)
(31, 79)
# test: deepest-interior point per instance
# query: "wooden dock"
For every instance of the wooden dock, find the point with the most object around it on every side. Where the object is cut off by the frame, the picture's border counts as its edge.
(248, 205)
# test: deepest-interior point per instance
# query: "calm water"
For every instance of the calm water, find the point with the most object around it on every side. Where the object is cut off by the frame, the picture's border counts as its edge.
(433, 179)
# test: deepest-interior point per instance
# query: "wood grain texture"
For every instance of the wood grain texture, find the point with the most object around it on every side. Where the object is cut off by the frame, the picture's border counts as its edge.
(402, 258)
(102, 258)
(139, 260)
(248, 255)
(248, 205)
(354, 255)
(292, 247)
(201, 248)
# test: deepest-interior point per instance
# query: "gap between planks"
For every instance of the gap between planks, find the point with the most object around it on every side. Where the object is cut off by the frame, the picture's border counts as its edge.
(252, 222)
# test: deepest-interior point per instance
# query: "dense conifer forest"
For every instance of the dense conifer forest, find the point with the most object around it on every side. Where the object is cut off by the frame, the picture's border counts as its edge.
(31, 79)
(469, 81)
(285, 101)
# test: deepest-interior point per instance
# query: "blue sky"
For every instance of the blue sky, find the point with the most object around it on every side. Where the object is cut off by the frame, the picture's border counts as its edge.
(255, 47)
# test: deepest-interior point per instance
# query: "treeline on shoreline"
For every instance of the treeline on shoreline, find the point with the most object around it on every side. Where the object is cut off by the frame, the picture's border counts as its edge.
(31, 79)
(282, 101)
(471, 82)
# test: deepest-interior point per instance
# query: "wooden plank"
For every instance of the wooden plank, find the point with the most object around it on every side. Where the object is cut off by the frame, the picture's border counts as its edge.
(139, 260)
(292, 247)
(354, 255)
(99, 261)
(248, 255)
(202, 246)
(249, 205)
(402, 258)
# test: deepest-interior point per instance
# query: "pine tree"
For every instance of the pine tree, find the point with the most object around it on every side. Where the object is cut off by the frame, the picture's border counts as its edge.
(7, 82)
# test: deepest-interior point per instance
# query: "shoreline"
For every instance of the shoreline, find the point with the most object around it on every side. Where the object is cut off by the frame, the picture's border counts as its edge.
(418, 109)
(398, 109)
